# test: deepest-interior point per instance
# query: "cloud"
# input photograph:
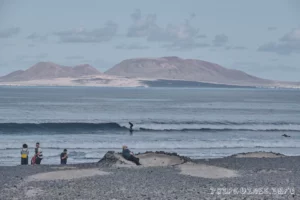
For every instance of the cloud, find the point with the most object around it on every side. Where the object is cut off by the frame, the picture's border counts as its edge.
(272, 28)
(285, 48)
(132, 47)
(74, 57)
(94, 36)
(220, 40)
(192, 16)
(10, 32)
(174, 33)
(37, 37)
(288, 44)
(142, 26)
(136, 15)
(185, 45)
(293, 36)
(181, 36)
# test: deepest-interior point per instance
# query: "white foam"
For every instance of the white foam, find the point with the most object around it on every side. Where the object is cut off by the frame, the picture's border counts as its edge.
(91, 147)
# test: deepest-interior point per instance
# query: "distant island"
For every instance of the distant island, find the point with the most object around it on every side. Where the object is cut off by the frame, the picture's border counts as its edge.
(140, 72)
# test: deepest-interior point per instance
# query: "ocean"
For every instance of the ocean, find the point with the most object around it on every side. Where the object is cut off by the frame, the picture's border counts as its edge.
(195, 122)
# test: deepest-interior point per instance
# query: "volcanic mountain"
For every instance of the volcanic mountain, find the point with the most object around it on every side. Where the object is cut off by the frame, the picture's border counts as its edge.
(49, 70)
(174, 68)
(140, 72)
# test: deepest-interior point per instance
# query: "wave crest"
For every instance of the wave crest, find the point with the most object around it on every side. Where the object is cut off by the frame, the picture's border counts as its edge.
(79, 127)
(59, 126)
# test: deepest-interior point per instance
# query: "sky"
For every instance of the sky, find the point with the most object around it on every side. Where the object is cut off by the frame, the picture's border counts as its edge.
(259, 37)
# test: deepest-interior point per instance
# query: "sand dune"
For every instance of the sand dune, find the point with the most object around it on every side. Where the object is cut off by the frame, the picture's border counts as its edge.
(149, 160)
(164, 160)
(92, 81)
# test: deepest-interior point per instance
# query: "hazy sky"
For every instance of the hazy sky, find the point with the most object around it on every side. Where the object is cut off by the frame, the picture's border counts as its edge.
(261, 37)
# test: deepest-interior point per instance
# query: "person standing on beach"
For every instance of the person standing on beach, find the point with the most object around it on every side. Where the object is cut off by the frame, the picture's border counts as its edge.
(24, 155)
(64, 157)
(128, 155)
(38, 154)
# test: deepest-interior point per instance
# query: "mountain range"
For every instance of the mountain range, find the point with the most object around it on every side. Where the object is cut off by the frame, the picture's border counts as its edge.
(174, 68)
(139, 72)
(49, 70)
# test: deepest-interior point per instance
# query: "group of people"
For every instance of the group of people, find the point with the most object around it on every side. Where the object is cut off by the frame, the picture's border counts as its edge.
(38, 155)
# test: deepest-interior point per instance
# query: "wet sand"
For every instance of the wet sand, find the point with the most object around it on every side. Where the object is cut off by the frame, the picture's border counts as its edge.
(248, 176)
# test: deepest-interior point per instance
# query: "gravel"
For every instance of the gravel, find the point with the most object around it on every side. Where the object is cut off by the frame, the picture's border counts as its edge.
(275, 175)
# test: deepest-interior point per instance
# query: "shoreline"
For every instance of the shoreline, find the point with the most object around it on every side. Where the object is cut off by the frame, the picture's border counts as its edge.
(162, 176)
(155, 87)
(250, 154)
(107, 162)
(142, 83)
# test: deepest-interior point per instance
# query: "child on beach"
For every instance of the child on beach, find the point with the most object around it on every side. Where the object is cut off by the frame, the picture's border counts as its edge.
(24, 155)
(128, 155)
(64, 157)
(33, 160)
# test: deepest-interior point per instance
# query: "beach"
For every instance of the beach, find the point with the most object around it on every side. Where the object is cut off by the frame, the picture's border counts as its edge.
(162, 176)
(197, 123)
(211, 129)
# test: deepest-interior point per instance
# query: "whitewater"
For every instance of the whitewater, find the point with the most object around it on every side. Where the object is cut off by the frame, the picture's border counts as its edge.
(199, 123)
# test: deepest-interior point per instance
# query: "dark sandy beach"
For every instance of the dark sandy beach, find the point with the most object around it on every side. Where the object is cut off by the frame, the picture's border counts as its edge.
(161, 177)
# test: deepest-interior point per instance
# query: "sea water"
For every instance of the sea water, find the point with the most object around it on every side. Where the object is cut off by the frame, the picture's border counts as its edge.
(194, 122)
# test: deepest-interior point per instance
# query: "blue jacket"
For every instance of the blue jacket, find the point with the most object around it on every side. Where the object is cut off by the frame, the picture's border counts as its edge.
(126, 153)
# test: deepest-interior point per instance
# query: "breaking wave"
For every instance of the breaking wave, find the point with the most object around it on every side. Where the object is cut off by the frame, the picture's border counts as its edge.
(74, 127)
(221, 130)
(59, 126)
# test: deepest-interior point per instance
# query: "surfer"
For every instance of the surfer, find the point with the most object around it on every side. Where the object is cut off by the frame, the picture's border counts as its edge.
(131, 125)
(130, 128)
(285, 135)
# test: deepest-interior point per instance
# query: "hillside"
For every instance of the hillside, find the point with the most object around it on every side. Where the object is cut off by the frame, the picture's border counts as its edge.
(140, 72)
(49, 70)
(174, 68)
